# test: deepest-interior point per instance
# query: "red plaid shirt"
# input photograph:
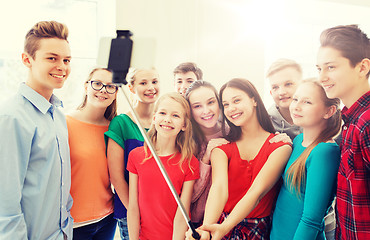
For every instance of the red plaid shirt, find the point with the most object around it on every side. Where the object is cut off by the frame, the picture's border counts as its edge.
(353, 192)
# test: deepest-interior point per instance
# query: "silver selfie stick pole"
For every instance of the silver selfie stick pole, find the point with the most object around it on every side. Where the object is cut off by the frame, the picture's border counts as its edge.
(120, 56)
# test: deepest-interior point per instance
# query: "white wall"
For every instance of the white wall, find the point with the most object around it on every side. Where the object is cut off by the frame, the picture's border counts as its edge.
(227, 38)
(236, 38)
(87, 21)
(192, 30)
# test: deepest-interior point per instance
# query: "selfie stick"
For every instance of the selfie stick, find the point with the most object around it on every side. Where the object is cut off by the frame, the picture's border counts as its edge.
(119, 63)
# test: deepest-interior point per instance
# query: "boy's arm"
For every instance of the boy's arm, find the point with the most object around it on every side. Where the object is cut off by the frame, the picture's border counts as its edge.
(14, 158)
(179, 223)
(133, 212)
(365, 145)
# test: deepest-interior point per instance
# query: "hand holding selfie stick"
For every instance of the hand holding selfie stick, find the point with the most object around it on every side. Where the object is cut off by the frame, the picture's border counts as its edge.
(119, 63)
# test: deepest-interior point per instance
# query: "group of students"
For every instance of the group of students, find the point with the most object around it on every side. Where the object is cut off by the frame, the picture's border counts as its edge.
(235, 175)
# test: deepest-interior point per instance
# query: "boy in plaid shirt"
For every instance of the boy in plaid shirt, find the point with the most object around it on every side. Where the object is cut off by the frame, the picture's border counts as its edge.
(343, 64)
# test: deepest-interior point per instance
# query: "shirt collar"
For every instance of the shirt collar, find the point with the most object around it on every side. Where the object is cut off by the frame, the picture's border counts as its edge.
(363, 103)
(39, 101)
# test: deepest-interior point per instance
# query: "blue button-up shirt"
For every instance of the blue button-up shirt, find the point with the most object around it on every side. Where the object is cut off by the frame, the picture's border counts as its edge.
(35, 171)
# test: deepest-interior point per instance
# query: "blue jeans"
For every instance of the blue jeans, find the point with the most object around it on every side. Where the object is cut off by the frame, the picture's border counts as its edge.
(330, 235)
(122, 224)
(102, 230)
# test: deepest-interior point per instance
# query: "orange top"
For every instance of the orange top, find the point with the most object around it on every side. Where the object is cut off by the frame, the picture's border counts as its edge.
(90, 188)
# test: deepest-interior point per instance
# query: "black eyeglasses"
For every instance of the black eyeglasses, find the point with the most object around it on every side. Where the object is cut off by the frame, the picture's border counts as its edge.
(110, 88)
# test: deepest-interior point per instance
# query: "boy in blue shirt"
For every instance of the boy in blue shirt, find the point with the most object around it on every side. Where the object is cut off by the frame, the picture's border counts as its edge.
(34, 153)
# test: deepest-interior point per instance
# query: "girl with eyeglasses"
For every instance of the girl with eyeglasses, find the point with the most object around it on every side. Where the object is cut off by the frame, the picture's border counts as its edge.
(90, 185)
(124, 135)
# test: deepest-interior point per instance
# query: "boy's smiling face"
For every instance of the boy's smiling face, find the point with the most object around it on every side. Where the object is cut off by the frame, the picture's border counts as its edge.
(283, 85)
(50, 67)
(336, 74)
(183, 81)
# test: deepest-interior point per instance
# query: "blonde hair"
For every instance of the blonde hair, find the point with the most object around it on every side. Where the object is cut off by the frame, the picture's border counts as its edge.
(111, 110)
(281, 64)
(185, 144)
(296, 173)
(41, 30)
(132, 73)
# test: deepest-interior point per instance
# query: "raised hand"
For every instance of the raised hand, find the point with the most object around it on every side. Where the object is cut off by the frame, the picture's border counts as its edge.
(213, 143)
(281, 137)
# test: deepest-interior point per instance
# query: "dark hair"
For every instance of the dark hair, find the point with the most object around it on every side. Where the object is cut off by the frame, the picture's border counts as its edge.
(111, 110)
(262, 115)
(198, 135)
(349, 40)
(41, 30)
(189, 67)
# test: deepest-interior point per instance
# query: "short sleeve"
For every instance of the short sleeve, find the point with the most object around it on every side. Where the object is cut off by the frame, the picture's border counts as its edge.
(115, 131)
(193, 173)
(227, 148)
(133, 159)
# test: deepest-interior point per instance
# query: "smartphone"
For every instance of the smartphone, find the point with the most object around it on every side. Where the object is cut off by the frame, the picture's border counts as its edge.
(124, 52)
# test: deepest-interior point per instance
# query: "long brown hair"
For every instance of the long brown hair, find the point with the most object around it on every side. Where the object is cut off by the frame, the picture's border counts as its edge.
(184, 141)
(111, 110)
(198, 134)
(263, 118)
(296, 174)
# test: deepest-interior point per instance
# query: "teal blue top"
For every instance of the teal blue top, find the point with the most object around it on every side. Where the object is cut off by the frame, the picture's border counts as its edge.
(302, 217)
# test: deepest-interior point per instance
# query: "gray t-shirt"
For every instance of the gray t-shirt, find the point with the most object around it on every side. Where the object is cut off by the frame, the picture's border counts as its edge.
(281, 125)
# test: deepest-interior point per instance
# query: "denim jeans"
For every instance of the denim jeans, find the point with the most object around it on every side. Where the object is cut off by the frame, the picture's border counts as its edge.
(330, 223)
(330, 235)
(122, 224)
(102, 230)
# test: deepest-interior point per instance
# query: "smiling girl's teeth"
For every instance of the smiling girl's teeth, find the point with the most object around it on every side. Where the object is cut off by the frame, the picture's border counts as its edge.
(235, 115)
(101, 97)
(207, 118)
(56, 76)
(150, 94)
